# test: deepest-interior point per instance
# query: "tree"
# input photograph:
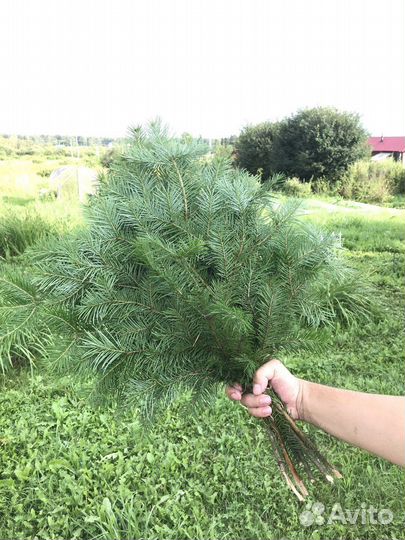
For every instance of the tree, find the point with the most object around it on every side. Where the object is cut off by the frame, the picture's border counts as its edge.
(189, 276)
(253, 149)
(319, 142)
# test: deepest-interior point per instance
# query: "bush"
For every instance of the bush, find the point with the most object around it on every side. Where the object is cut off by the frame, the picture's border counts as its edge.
(373, 181)
(320, 142)
(253, 149)
(295, 188)
(19, 231)
(224, 151)
(396, 176)
(322, 186)
(46, 172)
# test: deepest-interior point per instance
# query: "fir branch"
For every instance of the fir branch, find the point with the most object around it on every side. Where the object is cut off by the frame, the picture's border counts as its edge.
(182, 190)
(190, 275)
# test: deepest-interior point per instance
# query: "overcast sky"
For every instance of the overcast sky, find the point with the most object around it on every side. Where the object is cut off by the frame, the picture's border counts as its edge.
(209, 67)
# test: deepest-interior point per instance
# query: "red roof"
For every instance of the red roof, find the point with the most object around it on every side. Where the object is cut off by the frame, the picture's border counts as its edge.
(387, 144)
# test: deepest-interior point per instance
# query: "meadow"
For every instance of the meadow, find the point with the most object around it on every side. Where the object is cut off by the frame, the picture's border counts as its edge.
(73, 471)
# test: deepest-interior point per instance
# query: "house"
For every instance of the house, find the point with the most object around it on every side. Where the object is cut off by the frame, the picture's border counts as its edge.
(384, 147)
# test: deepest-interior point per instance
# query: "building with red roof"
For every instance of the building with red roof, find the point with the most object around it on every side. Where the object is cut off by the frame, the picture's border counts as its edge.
(384, 147)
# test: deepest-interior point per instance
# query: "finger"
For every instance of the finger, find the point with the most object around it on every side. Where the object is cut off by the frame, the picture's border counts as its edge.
(262, 376)
(260, 412)
(252, 401)
(234, 386)
(233, 393)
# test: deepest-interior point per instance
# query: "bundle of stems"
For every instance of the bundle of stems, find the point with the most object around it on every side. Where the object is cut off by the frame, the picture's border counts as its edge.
(294, 450)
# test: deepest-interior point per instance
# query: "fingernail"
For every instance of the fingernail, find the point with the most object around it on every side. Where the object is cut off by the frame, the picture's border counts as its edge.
(257, 389)
(265, 400)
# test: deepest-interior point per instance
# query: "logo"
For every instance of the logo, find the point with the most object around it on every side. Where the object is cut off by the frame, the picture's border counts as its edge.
(315, 514)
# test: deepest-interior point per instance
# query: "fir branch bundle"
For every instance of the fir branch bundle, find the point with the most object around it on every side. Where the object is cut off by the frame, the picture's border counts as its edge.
(191, 276)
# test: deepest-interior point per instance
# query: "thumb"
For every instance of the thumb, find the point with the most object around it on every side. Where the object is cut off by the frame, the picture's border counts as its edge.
(262, 377)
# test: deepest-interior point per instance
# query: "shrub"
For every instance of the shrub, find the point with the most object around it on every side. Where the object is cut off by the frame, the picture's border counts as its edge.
(322, 186)
(320, 142)
(295, 188)
(46, 172)
(373, 181)
(253, 149)
(396, 176)
(19, 231)
(224, 151)
(46, 194)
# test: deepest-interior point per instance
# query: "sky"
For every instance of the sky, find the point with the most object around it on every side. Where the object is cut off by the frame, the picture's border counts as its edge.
(206, 67)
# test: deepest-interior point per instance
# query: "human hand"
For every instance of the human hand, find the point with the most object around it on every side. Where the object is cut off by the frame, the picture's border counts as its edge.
(275, 375)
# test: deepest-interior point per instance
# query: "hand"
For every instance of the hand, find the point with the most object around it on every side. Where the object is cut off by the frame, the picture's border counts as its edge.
(275, 375)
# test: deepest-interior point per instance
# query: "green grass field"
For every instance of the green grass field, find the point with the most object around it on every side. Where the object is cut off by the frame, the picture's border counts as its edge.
(24, 218)
(72, 471)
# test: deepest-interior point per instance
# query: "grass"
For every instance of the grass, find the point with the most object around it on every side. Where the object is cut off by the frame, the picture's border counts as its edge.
(364, 227)
(23, 178)
(71, 471)
(396, 201)
(27, 221)
(20, 178)
(24, 217)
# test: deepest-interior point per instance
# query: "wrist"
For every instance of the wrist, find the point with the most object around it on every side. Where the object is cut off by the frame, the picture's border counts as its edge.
(303, 402)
